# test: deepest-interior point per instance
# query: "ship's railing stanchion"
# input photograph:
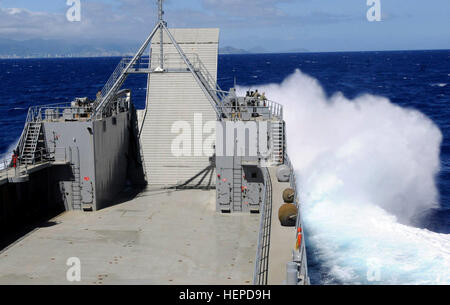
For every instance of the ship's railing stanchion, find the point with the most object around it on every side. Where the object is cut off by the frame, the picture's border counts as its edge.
(299, 253)
(272, 109)
(261, 272)
(58, 156)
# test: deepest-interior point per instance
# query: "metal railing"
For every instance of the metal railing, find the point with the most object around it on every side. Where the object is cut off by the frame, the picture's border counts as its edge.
(261, 272)
(39, 113)
(30, 118)
(271, 108)
(21, 167)
(143, 63)
(52, 113)
(117, 78)
(112, 80)
(303, 271)
(49, 112)
(174, 62)
(275, 109)
(212, 83)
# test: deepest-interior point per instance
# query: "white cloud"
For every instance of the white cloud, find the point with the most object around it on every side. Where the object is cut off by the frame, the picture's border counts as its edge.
(248, 8)
(98, 21)
(132, 20)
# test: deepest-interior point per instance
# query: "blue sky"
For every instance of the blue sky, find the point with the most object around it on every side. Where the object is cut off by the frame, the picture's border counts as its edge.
(276, 25)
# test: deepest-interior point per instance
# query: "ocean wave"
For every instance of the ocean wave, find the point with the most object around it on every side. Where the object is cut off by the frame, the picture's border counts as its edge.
(366, 168)
(442, 85)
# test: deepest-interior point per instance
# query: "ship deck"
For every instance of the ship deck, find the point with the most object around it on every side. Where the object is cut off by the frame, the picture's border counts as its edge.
(282, 239)
(158, 237)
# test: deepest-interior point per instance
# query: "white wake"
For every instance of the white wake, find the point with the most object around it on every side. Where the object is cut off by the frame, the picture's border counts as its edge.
(5, 157)
(365, 168)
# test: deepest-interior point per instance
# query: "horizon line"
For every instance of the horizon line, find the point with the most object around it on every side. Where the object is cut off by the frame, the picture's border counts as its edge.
(249, 53)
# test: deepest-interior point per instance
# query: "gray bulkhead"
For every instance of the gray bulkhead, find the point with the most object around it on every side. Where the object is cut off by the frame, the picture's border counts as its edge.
(111, 141)
(243, 148)
(97, 153)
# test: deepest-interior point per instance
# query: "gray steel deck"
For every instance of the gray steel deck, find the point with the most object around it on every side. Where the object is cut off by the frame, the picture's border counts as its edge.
(282, 239)
(159, 237)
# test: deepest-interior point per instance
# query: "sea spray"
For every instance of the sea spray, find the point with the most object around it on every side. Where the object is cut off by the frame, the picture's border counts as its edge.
(365, 168)
(5, 157)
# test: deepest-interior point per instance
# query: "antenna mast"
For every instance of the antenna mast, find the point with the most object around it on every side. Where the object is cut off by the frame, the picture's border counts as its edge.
(161, 38)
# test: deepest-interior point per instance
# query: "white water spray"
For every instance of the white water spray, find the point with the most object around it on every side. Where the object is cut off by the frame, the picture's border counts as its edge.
(365, 168)
(6, 156)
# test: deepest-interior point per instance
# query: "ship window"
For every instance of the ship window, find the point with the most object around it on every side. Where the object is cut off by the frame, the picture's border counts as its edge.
(254, 175)
(104, 126)
(114, 121)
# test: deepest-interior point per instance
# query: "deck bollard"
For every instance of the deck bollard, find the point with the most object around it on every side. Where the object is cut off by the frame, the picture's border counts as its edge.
(291, 273)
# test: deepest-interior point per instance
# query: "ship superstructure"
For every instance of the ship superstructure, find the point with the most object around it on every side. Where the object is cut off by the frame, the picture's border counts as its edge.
(207, 159)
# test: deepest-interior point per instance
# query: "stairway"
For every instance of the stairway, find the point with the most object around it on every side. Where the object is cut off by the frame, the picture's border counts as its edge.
(76, 182)
(209, 82)
(277, 142)
(118, 77)
(31, 141)
(237, 185)
(208, 87)
(76, 188)
(118, 74)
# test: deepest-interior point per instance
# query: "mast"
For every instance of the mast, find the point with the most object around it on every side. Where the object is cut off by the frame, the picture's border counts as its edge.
(119, 76)
(161, 38)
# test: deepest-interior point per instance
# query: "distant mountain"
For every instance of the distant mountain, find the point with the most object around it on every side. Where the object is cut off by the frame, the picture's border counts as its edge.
(257, 50)
(60, 48)
(299, 50)
(232, 50)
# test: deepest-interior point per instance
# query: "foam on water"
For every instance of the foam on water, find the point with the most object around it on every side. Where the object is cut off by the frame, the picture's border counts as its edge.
(365, 168)
(442, 85)
(7, 155)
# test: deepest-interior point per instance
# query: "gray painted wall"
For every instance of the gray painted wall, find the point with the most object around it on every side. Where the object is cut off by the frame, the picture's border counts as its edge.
(102, 147)
(111, 141)
(75, 142)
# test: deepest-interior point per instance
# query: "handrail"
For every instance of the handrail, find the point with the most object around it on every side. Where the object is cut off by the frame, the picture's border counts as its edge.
(299, 223)
(41, 156)
(261, 271)
(119, 80)
(174, 60)
(210, 80)
(275, 110)
(111, 81)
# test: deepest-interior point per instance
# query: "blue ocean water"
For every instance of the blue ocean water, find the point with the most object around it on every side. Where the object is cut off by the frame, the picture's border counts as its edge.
(413, 79)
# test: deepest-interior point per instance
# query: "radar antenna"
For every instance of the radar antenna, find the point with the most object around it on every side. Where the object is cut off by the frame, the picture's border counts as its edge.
(161, 34)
